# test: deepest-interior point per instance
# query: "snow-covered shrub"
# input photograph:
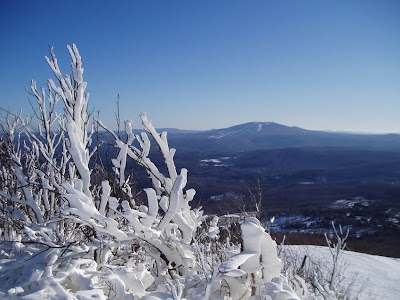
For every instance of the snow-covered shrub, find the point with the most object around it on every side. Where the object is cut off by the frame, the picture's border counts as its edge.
(325, 275)
(69, 234)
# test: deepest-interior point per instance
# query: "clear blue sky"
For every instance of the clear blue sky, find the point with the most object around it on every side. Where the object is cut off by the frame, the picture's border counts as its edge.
(329, 65)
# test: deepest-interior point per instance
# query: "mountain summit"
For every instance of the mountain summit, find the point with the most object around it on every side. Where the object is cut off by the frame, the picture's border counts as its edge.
(255, 128)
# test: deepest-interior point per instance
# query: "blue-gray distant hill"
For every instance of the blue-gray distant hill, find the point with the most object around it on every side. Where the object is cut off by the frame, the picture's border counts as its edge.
(269, 135)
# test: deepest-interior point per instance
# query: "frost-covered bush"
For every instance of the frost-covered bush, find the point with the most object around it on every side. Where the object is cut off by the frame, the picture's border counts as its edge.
(69, 234)
(322, 270)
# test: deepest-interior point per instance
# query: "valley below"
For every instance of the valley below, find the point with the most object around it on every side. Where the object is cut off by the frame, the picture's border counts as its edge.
(304, 190)
(305, 180)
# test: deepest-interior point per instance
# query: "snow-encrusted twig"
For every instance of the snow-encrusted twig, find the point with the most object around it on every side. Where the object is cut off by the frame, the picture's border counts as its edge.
(76, 101)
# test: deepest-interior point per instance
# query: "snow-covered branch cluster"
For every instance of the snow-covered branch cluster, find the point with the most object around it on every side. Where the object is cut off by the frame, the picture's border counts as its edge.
(74, 235)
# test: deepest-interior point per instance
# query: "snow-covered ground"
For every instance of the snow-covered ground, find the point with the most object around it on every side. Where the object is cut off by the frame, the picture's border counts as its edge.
(375, 277)
(369, 277)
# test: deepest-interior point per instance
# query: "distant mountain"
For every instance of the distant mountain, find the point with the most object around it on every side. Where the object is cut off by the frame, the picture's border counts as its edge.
(256, 129)
(269, 135)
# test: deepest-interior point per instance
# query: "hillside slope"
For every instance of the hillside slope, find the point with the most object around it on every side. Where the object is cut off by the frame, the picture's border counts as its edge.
(369, 276)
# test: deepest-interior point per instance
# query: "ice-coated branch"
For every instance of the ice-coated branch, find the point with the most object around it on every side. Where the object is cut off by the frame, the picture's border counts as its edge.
(120, 161)
(325, 291)
(230, 267)
(173, 204)
(259, 255)
(175, 289)
(152, 208)
(126, 149)
(76, 101)
(82, 206)
(182, 216)
(161, 140)
(27, 189)
(105, 195)
(336, 250)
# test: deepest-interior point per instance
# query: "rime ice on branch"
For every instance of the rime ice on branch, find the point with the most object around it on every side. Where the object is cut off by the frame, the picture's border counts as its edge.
(72, 91)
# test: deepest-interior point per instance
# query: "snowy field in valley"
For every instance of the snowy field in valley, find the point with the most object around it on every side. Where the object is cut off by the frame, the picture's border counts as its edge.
(374, 277)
